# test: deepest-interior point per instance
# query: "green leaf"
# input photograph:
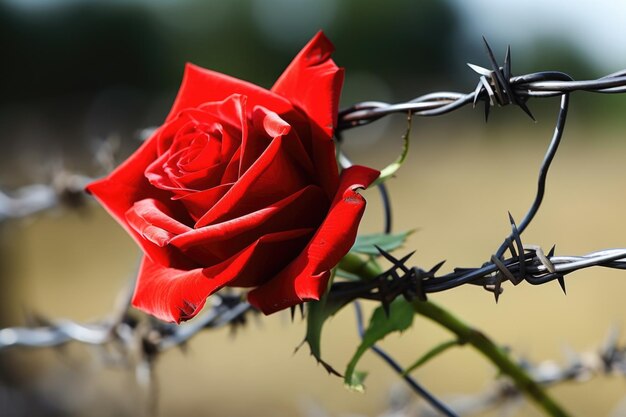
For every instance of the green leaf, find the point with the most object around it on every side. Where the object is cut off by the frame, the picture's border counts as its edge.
(390, 170)
(437, 350)
(317, 314)
(366, 244)
(400, 318)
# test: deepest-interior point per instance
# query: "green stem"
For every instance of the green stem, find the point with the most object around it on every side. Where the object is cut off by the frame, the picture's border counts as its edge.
(473, 337)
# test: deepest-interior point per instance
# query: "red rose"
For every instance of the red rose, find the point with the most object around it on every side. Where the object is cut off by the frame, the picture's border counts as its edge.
(240, 188)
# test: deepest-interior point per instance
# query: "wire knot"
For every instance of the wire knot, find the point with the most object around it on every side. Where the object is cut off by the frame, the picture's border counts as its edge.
(495, 84)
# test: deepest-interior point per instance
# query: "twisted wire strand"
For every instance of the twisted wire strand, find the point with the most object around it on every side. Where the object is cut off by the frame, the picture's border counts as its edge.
(537, 85)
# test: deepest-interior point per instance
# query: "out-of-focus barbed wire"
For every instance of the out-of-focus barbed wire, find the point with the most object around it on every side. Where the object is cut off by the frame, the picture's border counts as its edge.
(65, 190)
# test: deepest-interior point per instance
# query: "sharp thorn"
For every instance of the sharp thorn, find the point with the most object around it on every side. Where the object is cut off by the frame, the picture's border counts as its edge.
(497, 288)
(436, 268)
(490, 54)
(398, 263)
(386, 308)
(524, 107)
(479, 70)
(293, 312)
(511, 220)
(507, 63)
(476, 94)
(561, 280)
(551, 252)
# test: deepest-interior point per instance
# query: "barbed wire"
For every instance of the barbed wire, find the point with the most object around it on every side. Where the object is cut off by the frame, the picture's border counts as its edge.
(146, 338)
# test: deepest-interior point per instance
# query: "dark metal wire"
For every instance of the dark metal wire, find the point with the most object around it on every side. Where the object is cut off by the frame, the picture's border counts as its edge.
(412, 382)
(388, 218)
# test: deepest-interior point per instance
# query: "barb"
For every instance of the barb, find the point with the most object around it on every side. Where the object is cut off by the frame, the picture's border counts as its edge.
(536, 269)
(65, 189)
(156, 336)
(496, 86)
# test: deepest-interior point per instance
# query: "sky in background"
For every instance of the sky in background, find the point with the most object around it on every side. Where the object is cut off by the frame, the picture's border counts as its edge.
(598, 27)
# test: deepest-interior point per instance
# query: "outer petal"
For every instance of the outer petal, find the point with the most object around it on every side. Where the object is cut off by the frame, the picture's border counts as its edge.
(202, 85)
(176, 295)
(126, 185)
(306, 277)
(312, 82)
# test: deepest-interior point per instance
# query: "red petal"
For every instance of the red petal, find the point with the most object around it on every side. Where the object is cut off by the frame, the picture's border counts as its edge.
(126, 185)
(272, 177)
(201, 85)
(313, 82)
(306, 277)
(303, 209)
(267, 126)
(153, 221)
(175, 295)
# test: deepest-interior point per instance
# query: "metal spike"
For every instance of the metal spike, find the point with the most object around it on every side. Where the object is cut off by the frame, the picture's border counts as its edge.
(511, 247)
(551, 252)
(386, 307)
(398, 263)
(497, 287)
(480, 70)
(507, 63)
(477, 91)
(499, 79)
(520, 248)
(524, 107)
(561, 280)
(436, 268)
(489, 90)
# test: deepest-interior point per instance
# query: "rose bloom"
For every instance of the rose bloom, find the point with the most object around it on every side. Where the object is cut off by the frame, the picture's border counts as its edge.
(240, 188)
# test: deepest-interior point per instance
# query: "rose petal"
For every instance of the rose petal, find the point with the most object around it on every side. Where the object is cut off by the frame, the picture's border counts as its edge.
(303, 209)
(272, 177)
(306, 277)
(153, 221)
(126, 185)
(154, 214)
(201, 85)
(175, 295)
(267, 125)
(312, 82)
(199, 202)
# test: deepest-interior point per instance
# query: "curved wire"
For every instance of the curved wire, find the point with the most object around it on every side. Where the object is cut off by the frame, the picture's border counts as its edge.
(388, 217)
(543, 171)
(415, 386)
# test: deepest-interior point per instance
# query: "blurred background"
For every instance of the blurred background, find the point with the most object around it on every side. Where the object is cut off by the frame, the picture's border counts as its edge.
(76, 74)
